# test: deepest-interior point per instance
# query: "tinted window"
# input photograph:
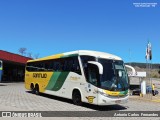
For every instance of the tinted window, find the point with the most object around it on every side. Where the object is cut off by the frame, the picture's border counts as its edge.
(84, 60)
(92, 74)
(60, 65)
(114, 75)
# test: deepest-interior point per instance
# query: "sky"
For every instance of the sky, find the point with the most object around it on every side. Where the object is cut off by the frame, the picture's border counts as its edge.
(48, 27)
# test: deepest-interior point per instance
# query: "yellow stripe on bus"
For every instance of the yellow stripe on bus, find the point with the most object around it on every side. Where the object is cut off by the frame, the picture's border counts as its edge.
(47, 58)
(112, 93)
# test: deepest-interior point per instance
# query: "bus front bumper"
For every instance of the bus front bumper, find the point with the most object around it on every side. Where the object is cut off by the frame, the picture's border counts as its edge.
(110, 100)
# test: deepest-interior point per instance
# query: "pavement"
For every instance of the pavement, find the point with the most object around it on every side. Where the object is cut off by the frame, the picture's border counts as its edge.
(14, 97)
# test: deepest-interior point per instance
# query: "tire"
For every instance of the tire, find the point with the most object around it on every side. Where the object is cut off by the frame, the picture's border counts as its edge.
(32, 88)
(76, 98)
(37, 89)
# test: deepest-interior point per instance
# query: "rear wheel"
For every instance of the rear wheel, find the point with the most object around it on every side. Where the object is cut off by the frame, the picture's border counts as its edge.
(32, 88)
(76, 97)
(37, 89)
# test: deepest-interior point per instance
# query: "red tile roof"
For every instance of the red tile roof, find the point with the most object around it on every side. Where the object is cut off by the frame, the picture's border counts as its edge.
(4, 55)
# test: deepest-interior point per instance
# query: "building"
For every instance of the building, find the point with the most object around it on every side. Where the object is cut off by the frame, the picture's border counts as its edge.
(13, 66)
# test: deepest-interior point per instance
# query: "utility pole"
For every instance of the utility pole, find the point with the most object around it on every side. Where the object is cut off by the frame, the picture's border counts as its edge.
(130, 56)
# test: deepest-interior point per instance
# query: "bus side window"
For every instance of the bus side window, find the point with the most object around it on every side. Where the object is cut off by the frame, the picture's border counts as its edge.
(57, 66)
(74, 65)
(70, 64)
(64, 67)
(50, 66)
(47, 66)
(92, 74)
(85, 59)
(28, 67)
(54, 66)
(40, 67)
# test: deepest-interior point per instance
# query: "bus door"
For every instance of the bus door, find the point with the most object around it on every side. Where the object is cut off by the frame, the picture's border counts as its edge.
(92, 78)
(1, 70)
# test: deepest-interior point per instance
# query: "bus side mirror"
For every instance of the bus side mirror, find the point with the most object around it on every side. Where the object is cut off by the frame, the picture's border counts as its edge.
(99, 65)
(120, 73)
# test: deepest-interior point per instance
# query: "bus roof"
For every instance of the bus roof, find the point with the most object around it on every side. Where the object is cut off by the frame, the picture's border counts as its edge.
(79, 52)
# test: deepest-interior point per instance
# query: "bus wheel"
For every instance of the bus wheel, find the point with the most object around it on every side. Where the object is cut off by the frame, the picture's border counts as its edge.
(76, 97)
(37, 89)
(32, 88)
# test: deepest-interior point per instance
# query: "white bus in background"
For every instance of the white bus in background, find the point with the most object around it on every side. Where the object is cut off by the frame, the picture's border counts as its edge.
(84, 76)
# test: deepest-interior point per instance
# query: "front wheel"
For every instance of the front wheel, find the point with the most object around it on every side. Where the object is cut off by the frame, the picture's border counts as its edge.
(76, 97)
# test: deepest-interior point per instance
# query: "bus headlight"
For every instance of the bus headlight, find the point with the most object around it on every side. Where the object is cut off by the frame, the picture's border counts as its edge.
(102, 93)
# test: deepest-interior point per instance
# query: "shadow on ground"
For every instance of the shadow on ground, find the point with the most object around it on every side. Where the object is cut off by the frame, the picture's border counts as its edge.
(89, 106)
(2, 84)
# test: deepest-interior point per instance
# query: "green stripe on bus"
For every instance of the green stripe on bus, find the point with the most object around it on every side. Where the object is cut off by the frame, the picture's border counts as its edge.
(53, 80)
(123, 92)
(60, 81)
(0, 68)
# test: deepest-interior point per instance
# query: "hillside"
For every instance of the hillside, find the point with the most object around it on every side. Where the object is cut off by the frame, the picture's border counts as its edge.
(142, 67)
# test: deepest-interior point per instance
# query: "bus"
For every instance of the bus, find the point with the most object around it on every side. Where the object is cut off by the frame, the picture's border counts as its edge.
(83, 76)
(1, 70)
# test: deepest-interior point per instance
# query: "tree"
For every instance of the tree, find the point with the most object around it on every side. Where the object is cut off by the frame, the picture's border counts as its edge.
(22, 51)
(30, 55)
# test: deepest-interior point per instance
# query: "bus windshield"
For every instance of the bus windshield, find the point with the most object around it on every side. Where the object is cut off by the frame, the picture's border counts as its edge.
(114, 77)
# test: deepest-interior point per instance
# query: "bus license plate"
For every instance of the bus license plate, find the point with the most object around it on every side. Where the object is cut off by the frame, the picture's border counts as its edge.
(118, 101)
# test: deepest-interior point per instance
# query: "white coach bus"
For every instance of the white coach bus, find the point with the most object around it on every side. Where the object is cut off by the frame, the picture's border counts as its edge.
(84, 76)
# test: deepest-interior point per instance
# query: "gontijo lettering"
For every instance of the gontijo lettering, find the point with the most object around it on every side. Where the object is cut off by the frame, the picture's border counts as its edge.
(39, 75)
